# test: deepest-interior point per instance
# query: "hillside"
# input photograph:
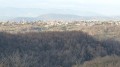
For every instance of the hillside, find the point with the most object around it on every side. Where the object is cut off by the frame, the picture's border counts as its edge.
(101, 30)
(53, 49)
(108, 61)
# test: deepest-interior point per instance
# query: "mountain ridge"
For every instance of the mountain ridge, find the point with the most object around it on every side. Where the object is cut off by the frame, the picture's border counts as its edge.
(59, 17)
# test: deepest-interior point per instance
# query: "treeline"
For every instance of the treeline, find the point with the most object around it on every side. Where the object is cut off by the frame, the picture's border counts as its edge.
(52, 49)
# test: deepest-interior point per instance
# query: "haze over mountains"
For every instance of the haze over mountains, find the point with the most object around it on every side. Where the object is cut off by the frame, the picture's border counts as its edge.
(49, 17)
(63, 17)
(35, 14)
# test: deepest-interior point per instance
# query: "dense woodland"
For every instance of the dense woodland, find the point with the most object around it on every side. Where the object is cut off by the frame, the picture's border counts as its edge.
(52, 49)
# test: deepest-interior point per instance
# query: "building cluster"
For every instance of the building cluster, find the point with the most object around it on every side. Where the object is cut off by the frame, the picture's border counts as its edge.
(57, 23)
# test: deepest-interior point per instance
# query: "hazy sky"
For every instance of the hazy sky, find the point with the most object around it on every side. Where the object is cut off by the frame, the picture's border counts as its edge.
(35, 7)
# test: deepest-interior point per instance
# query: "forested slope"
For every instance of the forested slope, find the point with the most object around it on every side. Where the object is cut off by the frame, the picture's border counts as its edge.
(52, 49)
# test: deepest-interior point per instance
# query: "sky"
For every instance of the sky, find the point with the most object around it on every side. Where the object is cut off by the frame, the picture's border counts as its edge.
(77, 7)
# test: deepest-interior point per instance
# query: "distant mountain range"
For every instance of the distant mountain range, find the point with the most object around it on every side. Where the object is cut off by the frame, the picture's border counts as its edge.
(47, 17)
(64, 17)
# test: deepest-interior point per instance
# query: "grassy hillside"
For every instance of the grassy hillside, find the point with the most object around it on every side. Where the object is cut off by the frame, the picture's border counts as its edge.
(108, 61)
